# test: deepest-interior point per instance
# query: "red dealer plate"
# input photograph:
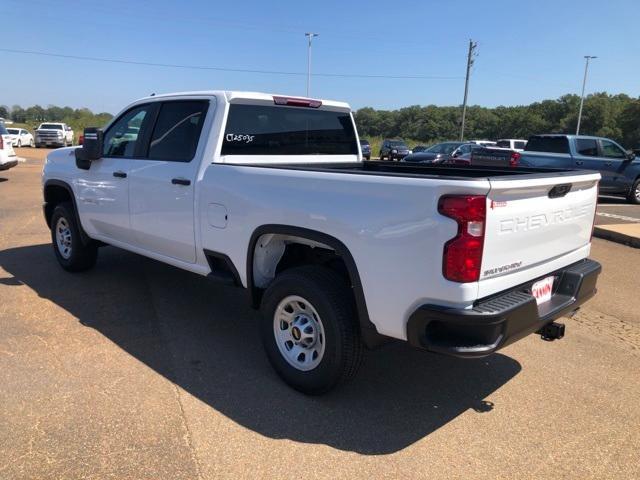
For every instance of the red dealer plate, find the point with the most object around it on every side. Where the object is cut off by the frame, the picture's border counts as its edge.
(542, 290)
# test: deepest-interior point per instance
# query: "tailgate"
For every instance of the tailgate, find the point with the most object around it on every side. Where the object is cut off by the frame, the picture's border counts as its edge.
(536, 221)
(491, 157)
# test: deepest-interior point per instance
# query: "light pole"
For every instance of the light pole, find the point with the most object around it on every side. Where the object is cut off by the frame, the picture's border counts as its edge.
(309, 36)
(584, 82)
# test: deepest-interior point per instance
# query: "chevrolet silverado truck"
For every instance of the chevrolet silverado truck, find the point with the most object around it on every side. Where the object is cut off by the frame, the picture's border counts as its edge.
(53, 135)
(619, 169)
(270, 193)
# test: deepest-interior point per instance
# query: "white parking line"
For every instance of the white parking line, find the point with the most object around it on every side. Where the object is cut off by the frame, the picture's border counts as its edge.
(618, 217)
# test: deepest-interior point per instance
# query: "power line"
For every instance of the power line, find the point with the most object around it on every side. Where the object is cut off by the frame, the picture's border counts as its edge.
(223, 69)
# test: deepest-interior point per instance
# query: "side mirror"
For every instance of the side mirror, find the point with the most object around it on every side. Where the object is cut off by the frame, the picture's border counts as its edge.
(91, 149)
(631, 156)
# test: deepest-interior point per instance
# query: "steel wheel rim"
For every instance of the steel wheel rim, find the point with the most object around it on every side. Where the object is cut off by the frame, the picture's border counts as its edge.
(63, 238)
(637, 192)
(299, 333)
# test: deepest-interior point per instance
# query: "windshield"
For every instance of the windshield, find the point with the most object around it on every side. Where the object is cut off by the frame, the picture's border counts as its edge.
(276, 130)
(364, 142)
(13, 131)
(50, 126)
(398, 144)
(445, 148)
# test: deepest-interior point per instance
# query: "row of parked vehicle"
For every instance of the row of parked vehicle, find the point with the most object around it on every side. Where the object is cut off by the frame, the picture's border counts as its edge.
(619, 168)
(52, 134)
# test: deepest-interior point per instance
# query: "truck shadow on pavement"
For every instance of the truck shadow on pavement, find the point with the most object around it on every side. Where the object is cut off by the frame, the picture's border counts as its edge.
(205, 339)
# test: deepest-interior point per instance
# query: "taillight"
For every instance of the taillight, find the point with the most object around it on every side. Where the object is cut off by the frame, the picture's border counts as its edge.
(462, 257)
(514, 159)
(297, 102)
(81, 139)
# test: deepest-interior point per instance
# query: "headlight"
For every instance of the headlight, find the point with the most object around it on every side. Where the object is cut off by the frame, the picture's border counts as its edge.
(59, 134)
(410, 152)
(394, 151)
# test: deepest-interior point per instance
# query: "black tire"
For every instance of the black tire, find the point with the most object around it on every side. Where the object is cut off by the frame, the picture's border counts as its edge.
(329, 295)
(82, 256)
(19, 143)
(634, 193)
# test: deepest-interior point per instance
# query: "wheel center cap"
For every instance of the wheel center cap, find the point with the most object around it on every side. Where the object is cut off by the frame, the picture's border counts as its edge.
(295, 333)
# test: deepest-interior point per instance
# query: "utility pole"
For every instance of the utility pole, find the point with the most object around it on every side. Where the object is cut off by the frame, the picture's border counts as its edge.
(584, 82)
(470, 58)
(309, 36)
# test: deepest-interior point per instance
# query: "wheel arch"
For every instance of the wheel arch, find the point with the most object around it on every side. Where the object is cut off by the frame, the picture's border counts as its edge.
(370, 335)
(56, 192)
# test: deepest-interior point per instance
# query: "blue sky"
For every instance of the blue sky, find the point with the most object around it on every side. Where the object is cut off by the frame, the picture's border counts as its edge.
(529, 50)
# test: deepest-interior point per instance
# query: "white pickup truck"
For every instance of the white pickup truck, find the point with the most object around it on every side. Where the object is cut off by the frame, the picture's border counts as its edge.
(270, 193)
(53, 135)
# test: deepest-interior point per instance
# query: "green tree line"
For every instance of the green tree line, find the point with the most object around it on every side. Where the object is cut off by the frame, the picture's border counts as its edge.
(77, 118)
(613, 116)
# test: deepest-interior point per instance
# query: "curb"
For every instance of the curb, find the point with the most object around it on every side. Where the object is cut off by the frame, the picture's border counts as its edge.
(617, 237)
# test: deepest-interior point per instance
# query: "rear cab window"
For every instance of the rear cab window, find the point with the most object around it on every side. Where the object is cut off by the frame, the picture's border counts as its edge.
(274, 130)
(549, 144)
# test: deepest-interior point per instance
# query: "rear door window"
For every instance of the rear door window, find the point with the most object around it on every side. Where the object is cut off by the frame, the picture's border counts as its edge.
(279, 130)
(587, 147)
(519, 145)
(177, 130)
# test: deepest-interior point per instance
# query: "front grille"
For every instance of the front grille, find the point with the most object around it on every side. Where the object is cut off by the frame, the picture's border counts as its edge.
(48, 135)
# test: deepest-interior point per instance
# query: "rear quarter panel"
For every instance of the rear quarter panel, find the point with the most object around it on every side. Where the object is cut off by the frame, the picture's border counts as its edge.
(389, 224)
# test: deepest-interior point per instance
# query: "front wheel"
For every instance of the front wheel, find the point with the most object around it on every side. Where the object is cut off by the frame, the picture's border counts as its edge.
(19, 143)
(309, 329)
(31, 144)
(634, 194)
(73, 255)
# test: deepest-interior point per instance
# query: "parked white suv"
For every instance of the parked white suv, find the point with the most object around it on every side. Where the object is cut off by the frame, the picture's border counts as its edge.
(8, 157)
(516, 144)
(53, 135)
(21, 137)
(270, 193)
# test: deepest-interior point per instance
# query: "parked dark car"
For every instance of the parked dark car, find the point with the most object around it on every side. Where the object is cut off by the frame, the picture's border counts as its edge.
(365, 146)
(394, 150)
(441, 152)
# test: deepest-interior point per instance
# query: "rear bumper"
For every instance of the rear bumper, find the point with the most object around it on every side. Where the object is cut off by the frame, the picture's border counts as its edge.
(502, 319)
(8, 165)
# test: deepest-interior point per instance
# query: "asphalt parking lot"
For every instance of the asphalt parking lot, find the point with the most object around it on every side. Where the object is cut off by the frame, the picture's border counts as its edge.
(136, 369)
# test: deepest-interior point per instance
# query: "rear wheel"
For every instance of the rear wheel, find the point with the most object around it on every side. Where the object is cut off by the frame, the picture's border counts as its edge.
(73, 255)
(19, 143)
(309, 329)
(634, 194)
(31, 144)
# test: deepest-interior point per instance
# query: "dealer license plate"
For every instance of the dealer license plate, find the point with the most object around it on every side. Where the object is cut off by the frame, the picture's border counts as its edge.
(542, 289)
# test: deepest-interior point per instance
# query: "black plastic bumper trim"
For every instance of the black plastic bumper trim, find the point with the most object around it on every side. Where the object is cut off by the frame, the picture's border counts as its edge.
(501, 319)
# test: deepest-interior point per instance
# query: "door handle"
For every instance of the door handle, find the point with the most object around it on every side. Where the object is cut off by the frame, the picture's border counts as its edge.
(120, 174)
(608, 164)
(579, 162)
(180, 181)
